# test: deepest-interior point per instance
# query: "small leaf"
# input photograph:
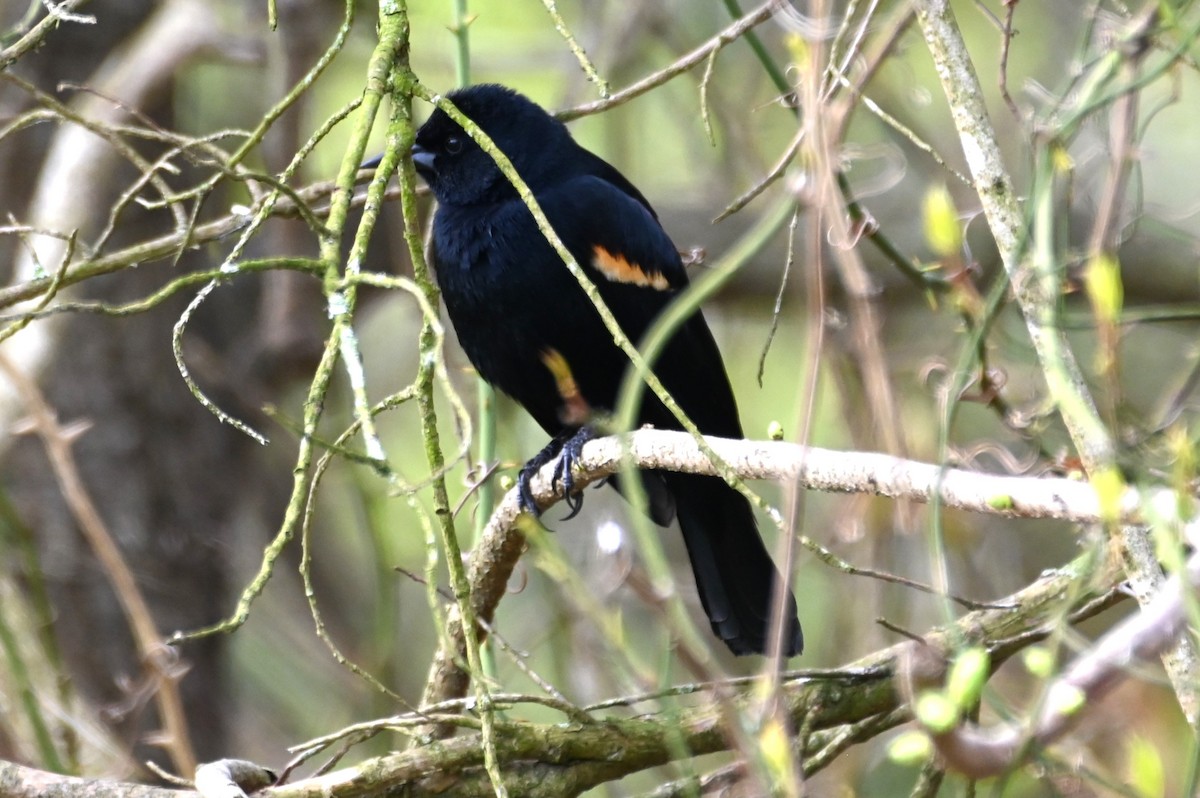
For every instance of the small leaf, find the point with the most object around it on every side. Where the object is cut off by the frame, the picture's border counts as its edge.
(1166, 16)
(1183, 455)
(1039, 661)
(1066, 699)
(967, 677)
(1102, 281)
(912, 747)
(776, 750)
(936, 711)
(1002, 502)
(798, 50)
(1061, 159)
(1110, 490)
(1145, 769)
(942, 230)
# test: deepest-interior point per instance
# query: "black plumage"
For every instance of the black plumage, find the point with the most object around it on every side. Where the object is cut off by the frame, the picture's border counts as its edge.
(513, 303)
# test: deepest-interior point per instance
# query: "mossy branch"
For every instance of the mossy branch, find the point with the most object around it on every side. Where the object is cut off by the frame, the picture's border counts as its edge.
(556, 759)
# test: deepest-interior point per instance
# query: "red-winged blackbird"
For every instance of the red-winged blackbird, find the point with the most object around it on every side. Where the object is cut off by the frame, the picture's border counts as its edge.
(518, 311)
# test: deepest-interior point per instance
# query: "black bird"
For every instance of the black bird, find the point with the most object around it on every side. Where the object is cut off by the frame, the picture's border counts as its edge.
(529, 329)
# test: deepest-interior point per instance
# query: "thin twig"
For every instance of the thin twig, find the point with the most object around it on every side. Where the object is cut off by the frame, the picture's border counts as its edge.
(681, 65)
(1006, 37)
(585, 63)
(34, 37)
(160, 659)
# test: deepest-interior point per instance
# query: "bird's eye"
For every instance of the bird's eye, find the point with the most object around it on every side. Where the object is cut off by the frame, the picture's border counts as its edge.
(454, 145)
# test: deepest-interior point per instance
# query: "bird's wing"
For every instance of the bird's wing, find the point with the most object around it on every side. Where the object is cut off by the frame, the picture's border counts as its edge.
(596, 166)
(638, 271)
(614, 234)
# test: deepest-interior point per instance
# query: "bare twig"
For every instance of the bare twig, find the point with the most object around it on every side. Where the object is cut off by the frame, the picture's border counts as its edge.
(777, 171)
(585, 63)
(64, 11)
(178, 31)
(162, 247)
(1006, 37)
(160, 659)
(681, 65)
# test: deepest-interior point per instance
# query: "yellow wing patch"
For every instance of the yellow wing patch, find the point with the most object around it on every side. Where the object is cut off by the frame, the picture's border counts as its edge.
(575, 409)
(619, 270)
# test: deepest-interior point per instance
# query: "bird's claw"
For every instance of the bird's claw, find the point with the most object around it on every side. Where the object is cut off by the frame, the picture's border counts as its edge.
(525, 498)
(564, 470)
(525, 477)
(567, 450)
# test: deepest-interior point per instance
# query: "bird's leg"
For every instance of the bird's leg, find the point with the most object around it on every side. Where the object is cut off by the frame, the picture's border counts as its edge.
(566, 447)
(572, 448)
(547, 454)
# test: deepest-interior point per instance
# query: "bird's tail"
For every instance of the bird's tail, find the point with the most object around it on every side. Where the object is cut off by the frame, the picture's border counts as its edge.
(734, 573)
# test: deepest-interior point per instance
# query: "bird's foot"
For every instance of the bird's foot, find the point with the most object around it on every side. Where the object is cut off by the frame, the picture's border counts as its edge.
(566, 447)
(524, 491)
(564, 470)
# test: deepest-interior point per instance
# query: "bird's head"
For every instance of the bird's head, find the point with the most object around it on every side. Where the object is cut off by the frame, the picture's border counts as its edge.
(460, 173)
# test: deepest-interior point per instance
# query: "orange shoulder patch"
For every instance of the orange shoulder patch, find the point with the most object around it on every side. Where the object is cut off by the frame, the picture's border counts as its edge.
(618, 269)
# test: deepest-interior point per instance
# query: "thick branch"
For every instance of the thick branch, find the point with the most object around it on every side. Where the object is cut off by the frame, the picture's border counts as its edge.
(565, 759)
(493, 559)
(17, 781)
(847, 472)
(556, 759)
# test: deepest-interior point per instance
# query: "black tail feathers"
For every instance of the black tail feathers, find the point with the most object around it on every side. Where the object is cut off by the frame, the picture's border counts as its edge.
(734, 573)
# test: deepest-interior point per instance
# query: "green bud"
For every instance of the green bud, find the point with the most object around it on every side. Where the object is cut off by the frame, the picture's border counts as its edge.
(942, 230)
(1066, 699)
(1003, 502)
(968, 674)
(910, 748)
(1038, 661)
(936, 711)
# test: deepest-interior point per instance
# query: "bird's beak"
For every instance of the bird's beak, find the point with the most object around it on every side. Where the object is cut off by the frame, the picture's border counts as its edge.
(372, 163)
(423, 160)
